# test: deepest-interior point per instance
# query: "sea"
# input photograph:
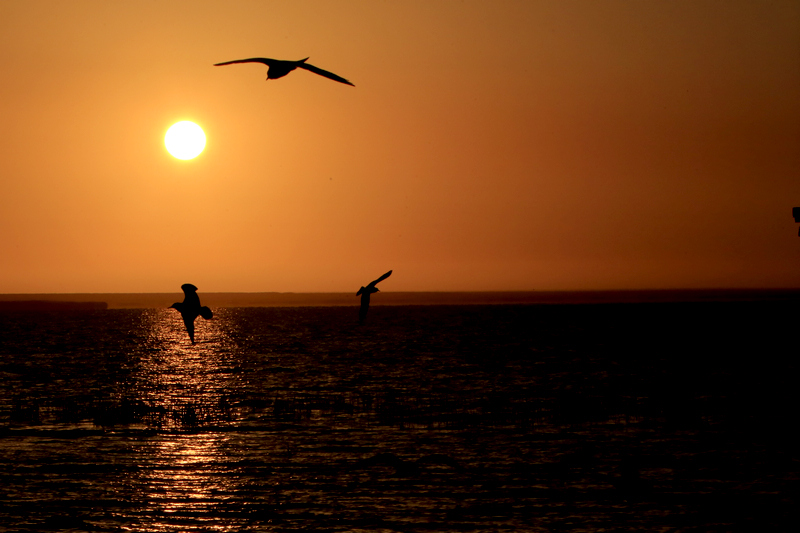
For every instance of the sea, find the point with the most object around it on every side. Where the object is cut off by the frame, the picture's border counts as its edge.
(562, 415)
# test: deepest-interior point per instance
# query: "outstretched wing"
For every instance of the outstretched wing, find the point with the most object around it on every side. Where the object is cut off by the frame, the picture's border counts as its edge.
(188, 288)
(380, 279)
(265, 60)
(329, 75)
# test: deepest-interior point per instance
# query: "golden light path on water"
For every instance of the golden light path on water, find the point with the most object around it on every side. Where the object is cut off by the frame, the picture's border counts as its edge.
(185, 474)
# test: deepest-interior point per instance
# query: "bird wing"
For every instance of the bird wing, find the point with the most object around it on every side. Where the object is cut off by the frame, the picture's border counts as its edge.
(265, 60)
(329, 75)
(187, 288)
(380, 279)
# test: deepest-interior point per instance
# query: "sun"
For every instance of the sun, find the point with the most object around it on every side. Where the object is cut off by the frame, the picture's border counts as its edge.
(185, 140)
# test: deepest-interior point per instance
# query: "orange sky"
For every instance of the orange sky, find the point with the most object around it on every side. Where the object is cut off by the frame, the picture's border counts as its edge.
(487, 145)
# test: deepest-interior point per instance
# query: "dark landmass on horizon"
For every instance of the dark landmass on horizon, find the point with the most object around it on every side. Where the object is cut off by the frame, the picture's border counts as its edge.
(325, 299)
(50, 305)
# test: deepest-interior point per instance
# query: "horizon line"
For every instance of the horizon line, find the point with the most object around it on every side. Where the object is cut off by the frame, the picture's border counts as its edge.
(155, 300)
(485, 291)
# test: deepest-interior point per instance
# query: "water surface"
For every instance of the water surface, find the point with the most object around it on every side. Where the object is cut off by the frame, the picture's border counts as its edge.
(657, 417)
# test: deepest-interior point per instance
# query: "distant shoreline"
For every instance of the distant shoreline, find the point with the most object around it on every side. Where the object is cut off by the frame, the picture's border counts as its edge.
(51, 305)
(291, 299)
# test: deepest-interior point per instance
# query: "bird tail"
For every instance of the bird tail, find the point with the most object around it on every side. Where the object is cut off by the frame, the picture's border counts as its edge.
(304, 60)
(360, 291)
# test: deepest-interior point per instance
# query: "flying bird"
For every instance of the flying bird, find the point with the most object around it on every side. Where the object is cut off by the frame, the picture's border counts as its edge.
(190, 308)
(365, 292)
(279, 68)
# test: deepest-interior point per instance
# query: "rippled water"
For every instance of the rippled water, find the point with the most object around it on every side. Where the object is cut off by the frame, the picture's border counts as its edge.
(656, 417)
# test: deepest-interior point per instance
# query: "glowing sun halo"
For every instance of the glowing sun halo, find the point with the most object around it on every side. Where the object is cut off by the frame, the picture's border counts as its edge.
(185, 140)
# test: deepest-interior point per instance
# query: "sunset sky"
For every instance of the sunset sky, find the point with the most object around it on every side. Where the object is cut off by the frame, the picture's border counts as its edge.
(486, 145)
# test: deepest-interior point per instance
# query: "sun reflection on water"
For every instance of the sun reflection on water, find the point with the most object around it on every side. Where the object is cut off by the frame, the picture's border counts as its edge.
(185, 482)
(185, 468)
(184, 385)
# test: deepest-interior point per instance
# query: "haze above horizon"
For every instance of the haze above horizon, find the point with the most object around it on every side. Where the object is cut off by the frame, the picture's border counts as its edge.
(486, 146)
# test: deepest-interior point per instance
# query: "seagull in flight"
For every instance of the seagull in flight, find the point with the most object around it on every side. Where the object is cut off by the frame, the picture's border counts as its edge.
(365, 292)
(279, 68)
(190, 308)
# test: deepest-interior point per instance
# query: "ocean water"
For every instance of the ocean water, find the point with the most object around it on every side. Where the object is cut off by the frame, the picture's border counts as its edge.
(628, 417)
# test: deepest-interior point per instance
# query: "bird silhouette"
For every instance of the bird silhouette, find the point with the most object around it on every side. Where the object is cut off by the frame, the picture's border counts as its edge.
(279, 68)
(365, 292)
(190, 308)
